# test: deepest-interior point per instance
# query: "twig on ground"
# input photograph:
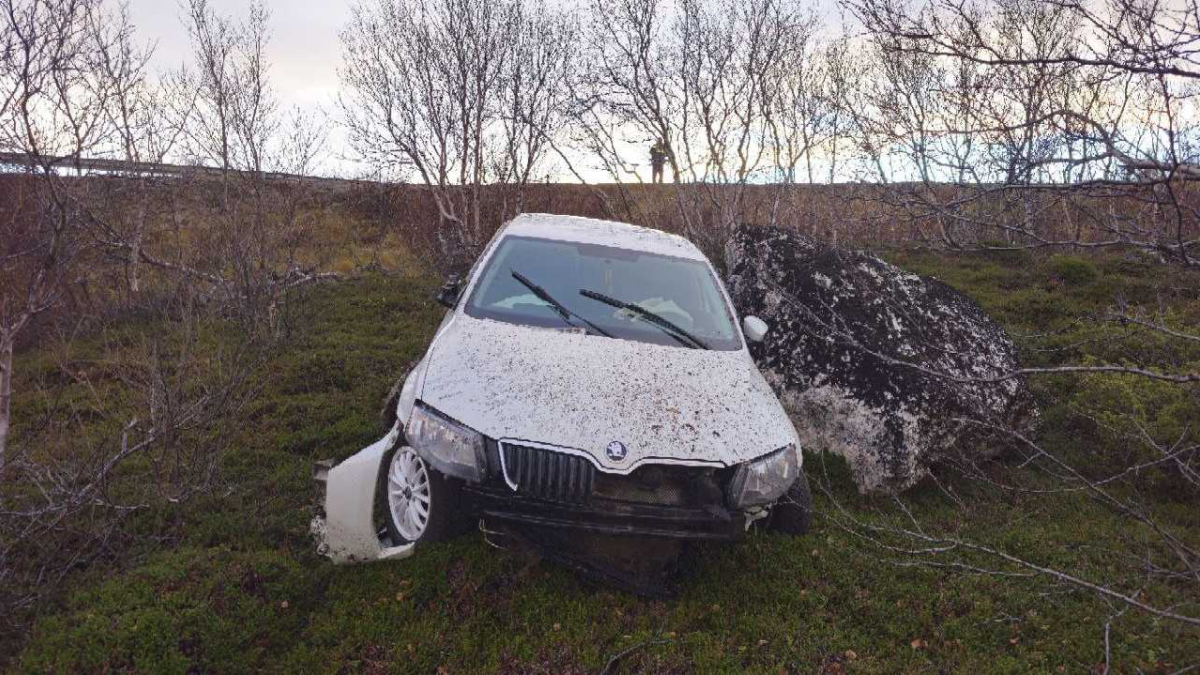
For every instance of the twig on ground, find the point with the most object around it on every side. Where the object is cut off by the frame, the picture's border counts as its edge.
(616, 658)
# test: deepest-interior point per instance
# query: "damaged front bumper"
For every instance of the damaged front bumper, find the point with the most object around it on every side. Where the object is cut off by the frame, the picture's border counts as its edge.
(541, 486)
(681, 504)
(610, 517)
(344, 526)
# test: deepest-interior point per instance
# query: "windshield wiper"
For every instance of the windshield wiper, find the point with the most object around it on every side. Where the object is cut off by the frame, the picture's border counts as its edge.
(670, 327)
(557, 306)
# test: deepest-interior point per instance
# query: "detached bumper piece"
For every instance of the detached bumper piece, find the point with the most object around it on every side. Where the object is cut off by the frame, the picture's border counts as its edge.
(344, 526)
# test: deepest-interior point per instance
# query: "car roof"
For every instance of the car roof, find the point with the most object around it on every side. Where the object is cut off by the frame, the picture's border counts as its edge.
(603, 232)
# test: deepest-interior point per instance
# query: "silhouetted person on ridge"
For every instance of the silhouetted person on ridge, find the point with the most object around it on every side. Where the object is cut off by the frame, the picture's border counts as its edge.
(658, 159)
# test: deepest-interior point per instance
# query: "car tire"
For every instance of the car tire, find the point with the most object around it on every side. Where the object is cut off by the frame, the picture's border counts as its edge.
(405, 521)
(792, 514)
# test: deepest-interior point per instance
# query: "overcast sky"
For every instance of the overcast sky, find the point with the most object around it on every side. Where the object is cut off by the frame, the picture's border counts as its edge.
(304, 42)
(304, 51)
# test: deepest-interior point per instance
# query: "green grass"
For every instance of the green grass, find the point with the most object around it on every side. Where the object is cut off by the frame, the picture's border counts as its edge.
(243, 590)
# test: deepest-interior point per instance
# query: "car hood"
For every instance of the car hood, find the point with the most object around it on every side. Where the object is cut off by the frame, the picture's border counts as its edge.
(582, 392)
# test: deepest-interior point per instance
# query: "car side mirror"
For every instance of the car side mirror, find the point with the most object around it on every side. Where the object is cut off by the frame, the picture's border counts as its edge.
(754, 328)
(448, 295)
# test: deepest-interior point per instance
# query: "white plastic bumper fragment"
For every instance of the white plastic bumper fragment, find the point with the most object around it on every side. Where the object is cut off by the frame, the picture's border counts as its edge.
(345, 530)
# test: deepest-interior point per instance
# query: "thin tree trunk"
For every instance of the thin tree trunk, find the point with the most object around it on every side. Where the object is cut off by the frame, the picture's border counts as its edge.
(135, 250)
(6, 360)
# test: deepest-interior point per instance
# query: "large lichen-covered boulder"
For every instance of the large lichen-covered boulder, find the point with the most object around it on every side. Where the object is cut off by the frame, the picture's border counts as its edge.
(891, 370)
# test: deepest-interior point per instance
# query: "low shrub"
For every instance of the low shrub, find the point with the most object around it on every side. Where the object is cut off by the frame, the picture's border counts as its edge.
(1072, 270)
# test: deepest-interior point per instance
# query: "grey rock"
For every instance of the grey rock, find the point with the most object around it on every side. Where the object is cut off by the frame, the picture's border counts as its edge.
(844, 326)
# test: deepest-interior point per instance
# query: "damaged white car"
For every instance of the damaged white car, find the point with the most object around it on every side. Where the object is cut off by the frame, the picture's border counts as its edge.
(589, 378)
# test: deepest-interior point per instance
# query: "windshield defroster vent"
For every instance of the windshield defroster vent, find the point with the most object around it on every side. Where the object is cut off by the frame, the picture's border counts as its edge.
(547, 474)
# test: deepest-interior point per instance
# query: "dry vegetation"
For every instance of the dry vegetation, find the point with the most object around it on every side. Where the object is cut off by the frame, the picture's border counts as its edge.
(863, 215)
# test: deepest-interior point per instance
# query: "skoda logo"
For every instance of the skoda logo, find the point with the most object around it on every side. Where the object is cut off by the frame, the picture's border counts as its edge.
(616, 451)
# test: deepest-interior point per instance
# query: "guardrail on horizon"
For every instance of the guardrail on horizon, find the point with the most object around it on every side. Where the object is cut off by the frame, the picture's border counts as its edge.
(10, 162)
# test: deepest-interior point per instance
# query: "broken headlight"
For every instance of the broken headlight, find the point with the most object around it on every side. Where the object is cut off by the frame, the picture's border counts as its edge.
(452, 448)
(765, 479)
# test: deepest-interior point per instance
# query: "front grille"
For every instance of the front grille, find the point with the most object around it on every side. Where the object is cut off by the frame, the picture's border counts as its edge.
(548, 474)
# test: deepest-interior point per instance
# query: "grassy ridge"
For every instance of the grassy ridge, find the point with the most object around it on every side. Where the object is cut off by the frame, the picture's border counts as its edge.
(242, 590)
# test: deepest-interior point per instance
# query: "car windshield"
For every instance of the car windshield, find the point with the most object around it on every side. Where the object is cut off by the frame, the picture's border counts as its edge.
(682, 291)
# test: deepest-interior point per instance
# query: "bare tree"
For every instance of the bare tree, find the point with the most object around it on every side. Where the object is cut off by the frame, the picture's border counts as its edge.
(233, 109)
(144, 130)
(535, 99)
(221, 113)
(76, 90)
(801, 121)
(456, 93)
(1079, 108)
(55, 105)
(704, 80)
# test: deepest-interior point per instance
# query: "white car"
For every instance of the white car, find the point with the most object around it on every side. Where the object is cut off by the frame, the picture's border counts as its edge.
(589, 376)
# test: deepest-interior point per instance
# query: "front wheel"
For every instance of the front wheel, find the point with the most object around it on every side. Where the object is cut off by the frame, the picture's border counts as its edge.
(420, 504)
(793, 513)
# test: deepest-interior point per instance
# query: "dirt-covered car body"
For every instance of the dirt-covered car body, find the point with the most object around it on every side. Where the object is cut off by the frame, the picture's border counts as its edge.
(600, 418)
